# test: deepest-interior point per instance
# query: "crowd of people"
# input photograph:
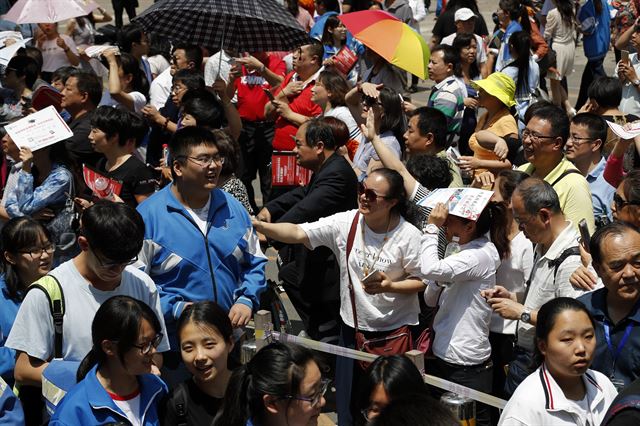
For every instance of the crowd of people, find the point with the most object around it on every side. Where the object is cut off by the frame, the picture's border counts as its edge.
(133, 253)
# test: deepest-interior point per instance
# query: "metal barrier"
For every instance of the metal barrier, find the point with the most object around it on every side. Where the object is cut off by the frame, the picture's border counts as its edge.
(264, 334)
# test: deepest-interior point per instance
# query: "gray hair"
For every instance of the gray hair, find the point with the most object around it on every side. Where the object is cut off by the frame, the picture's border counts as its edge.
(537, 194)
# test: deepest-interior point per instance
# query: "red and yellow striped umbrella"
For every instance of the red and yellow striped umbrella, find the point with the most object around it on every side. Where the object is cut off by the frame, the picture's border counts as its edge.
(390, 38)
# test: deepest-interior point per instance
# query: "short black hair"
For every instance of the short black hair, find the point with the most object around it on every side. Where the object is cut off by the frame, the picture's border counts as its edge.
(230, 150)
(34, 53)
(557, 118)
(317, 130)
(431, 171)
(606, 91)
(90, 84)
(205, 107)
(114, 230)
(450, 55)
(193, 79)
(62, 74)
(616, 228)
(330, 5)
(192, 52)
(595, 124)
(139, 127)
(431, 120)
(538, 194)
(129, 34)
(113, 121)
(316, 49)
(187, 138)
(26, 67)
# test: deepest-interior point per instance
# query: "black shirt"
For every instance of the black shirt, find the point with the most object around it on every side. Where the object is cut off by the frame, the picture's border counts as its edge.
(135, 176)
(200, 408)
(78, 146)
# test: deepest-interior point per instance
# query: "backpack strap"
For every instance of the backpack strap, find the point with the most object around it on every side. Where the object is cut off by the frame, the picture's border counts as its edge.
(180, 399)
(352, 295)
(565, 174)
(571, 251)
(629, 402)
(50, 286)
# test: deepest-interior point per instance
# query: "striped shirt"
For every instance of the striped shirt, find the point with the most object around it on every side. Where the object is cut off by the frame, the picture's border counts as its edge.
(448, 97)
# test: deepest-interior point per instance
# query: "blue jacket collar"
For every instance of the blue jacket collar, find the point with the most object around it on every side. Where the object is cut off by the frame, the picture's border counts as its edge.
(600, 311)
(217, 200)
(150, 388)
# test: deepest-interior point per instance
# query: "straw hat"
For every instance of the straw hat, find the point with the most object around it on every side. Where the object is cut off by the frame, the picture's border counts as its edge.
(499, 85)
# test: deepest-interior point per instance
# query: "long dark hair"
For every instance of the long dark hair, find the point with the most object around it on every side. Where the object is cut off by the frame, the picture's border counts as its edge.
(18, 234)
(567, 12)
(464, 40)
(331, 23)
(493, 219)
(398, 376)
(117, 319)
(520, 44)
(547, 315)
(130, 65)
(277, 370)
(517, 12)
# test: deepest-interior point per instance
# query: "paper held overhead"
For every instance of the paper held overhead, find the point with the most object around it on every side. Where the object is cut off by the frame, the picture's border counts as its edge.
(39, 130)
(462, 202)
(628, 131)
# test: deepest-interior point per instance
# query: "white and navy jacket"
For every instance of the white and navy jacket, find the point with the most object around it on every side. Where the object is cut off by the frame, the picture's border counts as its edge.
(540, 401)
(226, 265)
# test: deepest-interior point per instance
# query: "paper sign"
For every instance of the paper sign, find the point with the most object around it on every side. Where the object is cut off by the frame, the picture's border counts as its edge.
(39, 130)
(96, 51)
(101, 186)
(344, 60)
(286, 172)
(630, 132)
(8, 52)
(463, 202)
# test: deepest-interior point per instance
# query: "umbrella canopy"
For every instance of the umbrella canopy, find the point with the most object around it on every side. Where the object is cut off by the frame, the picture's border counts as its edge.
(48, 11)
(241, 25)
(390, 38)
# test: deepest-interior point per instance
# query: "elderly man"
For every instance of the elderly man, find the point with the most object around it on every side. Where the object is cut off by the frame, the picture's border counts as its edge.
(536, 208)
(615, 252)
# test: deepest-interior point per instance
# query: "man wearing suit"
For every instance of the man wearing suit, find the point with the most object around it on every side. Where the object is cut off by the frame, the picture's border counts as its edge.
(311, 278)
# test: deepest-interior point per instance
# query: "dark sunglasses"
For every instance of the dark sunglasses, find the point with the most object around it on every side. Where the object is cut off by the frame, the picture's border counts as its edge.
(369, 194)
(620, 203)
(369, 101)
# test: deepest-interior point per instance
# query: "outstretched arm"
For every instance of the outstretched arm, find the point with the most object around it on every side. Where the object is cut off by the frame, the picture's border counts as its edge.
(288, 233)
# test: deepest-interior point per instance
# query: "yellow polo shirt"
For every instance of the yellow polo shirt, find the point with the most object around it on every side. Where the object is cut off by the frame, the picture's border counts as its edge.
(573, 192)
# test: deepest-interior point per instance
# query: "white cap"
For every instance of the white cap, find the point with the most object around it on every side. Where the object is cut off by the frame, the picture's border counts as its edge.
(464, 14)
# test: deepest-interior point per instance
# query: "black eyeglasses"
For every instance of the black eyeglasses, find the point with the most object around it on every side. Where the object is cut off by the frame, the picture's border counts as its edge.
(146, 347)
(37, 252)
(535, 137)
(315, 398)
(205, 160)
(110, 265)
(369, 193)
(621, 203)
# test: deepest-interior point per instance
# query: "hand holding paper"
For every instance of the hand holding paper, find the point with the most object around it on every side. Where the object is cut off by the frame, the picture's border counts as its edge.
(463, 202)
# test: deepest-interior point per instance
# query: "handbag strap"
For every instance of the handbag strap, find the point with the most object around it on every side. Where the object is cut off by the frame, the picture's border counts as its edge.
(352, 294)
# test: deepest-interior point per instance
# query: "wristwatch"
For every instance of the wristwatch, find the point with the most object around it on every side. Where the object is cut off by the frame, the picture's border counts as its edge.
(526, 316)
(431, 229)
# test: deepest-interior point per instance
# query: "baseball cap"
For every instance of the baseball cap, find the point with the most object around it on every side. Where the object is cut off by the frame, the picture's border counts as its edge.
(464, 14)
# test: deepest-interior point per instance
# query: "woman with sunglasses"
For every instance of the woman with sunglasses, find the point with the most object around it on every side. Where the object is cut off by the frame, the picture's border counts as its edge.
(115, 380)
(281, 385)
(27, 255)
(626, 200)
(384, 245)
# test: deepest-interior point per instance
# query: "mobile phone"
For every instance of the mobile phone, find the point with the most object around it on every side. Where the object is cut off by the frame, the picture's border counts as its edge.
(624, 55)
(584, 233)
(269, 94)
(373, 276)
(454, 155)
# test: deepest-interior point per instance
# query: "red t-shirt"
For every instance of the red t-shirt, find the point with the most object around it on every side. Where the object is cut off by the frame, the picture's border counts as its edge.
(251, 97)
(301, 104)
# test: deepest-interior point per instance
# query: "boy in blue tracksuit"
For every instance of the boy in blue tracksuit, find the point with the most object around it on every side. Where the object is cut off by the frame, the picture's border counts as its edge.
(199, 243)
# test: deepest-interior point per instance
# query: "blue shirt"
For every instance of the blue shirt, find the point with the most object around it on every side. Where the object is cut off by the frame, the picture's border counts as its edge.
(627, 363)
(8, 311)
(601, 191)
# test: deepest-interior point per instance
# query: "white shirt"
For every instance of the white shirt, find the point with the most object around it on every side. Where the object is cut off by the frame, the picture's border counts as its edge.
(139, 101)
(630, 103)
(342, 113)
(399, 259)
(512, 274)
(462, 323)
(53, 56)
(158, 64)
(130, 408)
(540, 401)
(160, 89)
(200, 215)
(32, 332)
(481, 53)
(216, 69)
(543, 287)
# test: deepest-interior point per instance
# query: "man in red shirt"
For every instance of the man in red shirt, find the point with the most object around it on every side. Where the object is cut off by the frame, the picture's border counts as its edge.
(249, 78)
(292, 105)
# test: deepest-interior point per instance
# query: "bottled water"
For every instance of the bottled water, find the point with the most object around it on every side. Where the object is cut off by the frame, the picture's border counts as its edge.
(453, 247)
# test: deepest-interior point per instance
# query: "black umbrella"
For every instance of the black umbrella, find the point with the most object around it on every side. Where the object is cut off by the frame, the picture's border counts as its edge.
(240, 25)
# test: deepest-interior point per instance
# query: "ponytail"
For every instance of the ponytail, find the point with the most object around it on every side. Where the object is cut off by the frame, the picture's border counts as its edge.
(494, 219)
(235, 407)
(89, 361)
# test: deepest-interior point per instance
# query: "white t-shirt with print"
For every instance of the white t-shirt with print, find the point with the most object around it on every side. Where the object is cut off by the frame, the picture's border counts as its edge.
(53, 56)
(33, 332)
(399, 259)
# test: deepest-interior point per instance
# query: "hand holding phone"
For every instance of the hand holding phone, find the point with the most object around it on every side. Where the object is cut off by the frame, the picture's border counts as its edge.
(624, 56)
(269, 94)
(372, 277)
(584, 234)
